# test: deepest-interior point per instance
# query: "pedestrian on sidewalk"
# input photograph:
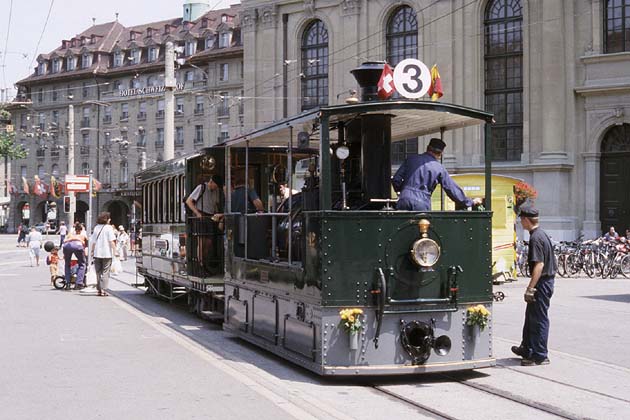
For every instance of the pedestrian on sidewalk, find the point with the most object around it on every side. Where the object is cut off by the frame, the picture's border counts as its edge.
(102, 250)
(542, 266)
(63, 231)
(123, 242)
(75, 244)
(34, 243)
(21, 241)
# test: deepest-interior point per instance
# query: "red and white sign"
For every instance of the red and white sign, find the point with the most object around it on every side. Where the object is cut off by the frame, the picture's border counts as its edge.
(78, 183)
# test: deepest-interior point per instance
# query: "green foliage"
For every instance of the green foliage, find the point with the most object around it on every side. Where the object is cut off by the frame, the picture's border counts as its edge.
(5, 115)
(8, 147)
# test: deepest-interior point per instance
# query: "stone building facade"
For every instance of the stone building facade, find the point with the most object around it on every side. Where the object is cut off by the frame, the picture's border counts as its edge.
(555, 73)
(114, 77)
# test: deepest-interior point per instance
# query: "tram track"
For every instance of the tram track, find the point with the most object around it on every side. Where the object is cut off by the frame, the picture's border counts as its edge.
(440, 414)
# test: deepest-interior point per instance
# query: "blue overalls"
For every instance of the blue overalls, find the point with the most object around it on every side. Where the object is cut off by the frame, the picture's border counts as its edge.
(536, 327)
(417, 178)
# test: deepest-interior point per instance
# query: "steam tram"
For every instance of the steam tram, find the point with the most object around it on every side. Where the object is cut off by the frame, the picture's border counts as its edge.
(334, 242)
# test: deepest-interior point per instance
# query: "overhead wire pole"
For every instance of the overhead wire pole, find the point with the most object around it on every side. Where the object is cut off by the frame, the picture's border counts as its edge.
(169, 102)
(71, 163)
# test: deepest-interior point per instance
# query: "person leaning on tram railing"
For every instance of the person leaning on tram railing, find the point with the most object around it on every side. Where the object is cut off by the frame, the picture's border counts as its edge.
(418, 176)
(206, 198)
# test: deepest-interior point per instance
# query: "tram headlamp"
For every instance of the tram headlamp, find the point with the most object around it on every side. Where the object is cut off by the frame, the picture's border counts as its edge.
(425, 252)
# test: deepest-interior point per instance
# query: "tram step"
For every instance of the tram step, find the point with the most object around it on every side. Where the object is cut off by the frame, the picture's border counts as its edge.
(211, 315)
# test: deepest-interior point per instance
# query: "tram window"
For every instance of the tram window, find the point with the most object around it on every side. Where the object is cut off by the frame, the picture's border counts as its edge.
(182, 187)
(176, 199)
(144, 203)
(167, 200)
(153, 202)
(160, 202)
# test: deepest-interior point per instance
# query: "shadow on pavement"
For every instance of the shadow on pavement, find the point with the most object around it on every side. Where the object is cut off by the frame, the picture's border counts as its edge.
(625, 298)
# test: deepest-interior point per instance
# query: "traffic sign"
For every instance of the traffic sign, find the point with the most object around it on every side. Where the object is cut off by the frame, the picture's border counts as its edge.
(412, 78)
(78, 183)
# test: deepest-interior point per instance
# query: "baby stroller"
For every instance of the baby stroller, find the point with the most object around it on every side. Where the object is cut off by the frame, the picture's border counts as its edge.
(60, 281)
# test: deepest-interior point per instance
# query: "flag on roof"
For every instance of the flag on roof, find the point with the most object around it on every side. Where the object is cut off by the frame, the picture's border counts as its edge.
(435, 91)
(386, 83)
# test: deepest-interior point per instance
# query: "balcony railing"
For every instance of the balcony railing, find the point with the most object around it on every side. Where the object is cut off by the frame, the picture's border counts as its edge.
(85, 122)
(107, 119)
(223, 111)
(123, 148)
(40, 153)
(159, 145)
(84, 150)
(142, 116)
(199, 111)
(124, 116)
(159, 114)
(54, 153)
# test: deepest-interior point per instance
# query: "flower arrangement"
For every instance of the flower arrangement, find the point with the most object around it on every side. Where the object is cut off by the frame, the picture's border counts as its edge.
(477, 315)
(523, 192)
(351, 319)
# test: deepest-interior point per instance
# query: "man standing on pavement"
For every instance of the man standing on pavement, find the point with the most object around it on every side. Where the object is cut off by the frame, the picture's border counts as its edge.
(63, 231)
(542, 266)
(418, 176)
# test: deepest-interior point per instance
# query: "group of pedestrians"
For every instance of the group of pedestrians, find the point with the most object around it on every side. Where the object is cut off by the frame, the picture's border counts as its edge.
(104, 244)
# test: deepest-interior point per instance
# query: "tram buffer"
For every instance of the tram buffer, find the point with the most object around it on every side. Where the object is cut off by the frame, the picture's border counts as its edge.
(418, 176)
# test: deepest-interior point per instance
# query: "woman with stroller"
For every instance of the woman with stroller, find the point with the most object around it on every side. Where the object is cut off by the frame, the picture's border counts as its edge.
(75, 244)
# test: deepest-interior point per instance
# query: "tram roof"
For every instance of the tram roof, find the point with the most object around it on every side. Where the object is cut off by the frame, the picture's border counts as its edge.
(410, 119)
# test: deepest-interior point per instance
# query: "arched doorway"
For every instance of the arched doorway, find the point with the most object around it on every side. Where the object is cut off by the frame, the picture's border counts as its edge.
(119, 211)
(615, 179)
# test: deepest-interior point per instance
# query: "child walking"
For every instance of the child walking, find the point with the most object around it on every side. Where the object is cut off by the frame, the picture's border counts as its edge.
(53, 262)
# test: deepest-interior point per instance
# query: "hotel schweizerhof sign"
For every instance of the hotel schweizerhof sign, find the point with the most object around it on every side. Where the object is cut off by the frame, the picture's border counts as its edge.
(148, 90)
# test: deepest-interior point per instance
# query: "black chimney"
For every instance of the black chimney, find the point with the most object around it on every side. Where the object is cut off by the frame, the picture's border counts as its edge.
(367, 76)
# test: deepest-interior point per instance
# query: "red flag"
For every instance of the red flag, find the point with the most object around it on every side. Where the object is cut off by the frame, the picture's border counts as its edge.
(386, 83)
(96, 186)
(435, 91)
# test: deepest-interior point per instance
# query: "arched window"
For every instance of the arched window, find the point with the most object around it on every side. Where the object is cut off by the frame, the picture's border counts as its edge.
(617, 26)
(41, 172)
(503, 58)
(55, 170)
(124, 172)
(85, 168)
(107, 173)
(402, 43)
(315, 65)
(402, 35)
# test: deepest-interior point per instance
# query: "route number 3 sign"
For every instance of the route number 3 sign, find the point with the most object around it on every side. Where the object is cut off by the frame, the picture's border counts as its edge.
(412, 78)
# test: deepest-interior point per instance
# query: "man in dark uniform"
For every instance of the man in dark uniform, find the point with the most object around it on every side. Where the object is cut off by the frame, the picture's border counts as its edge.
(542, 266)
(418, 176)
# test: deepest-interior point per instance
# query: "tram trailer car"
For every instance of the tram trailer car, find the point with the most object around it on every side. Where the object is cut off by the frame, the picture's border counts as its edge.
(178, 259)
(413, 274)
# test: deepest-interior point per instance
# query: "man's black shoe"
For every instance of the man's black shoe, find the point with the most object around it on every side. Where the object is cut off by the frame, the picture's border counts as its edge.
(518, 350)
(531, 362)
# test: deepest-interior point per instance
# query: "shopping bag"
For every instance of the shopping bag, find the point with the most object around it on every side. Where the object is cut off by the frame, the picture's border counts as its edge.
(90, 274)
(116, 266)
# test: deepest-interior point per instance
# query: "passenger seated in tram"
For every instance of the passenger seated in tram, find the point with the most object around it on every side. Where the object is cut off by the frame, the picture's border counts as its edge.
(418, 176)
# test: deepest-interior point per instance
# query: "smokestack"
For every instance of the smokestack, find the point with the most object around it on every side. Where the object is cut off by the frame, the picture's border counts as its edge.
(367, 76)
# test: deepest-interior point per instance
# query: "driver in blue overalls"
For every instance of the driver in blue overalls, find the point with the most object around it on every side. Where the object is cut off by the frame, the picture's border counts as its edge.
(418, 176)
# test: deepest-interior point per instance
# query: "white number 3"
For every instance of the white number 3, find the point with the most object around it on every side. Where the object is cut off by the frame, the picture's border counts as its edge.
(412, 78)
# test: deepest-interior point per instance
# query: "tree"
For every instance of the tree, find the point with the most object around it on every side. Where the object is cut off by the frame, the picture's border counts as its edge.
(8, 148)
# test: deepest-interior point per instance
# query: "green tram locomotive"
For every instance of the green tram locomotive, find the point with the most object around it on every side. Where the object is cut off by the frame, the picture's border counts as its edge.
(333, 243)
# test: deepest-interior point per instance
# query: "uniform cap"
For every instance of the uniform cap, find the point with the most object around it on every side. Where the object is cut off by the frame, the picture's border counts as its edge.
(528, 211)
(437, 144)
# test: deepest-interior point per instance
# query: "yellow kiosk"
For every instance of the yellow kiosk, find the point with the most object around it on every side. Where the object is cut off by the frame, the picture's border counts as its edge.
(503, 219)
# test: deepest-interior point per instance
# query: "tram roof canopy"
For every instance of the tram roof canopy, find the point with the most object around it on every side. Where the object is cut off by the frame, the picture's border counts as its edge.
(410, 119)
